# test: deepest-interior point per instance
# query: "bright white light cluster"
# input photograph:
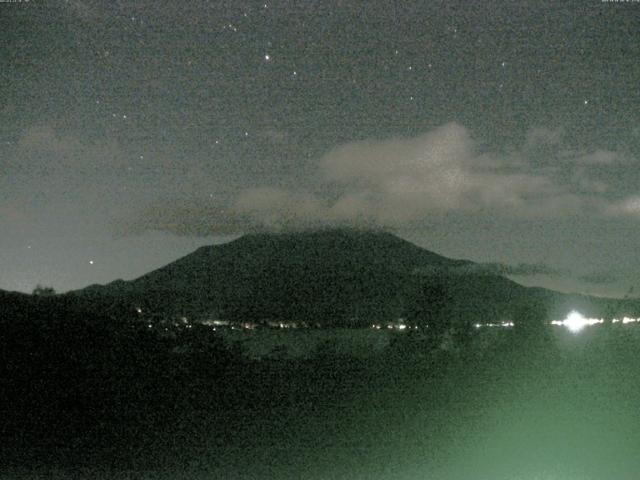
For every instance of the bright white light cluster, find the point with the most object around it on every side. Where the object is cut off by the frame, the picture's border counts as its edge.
(394, 326)
(575, 321)
(625, 320)
(491, 325)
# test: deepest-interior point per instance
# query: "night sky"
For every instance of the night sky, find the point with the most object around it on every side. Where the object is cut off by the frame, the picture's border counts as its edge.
(132, 132)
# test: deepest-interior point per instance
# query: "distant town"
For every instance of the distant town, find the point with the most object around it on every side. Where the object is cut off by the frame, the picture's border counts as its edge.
(573, 322)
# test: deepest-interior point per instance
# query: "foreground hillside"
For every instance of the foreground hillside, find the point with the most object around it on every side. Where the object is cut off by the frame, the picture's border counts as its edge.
(88, 402)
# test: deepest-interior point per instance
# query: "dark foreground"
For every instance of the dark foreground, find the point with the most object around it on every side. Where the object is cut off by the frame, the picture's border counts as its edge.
(83, 401)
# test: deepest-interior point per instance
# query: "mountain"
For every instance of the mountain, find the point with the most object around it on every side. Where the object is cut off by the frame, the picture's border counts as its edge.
(331, 277)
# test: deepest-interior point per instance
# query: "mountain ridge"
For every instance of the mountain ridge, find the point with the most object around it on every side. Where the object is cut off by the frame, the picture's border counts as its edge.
(333, 277)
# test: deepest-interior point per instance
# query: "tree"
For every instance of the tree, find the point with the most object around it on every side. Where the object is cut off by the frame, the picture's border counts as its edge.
(43, 291)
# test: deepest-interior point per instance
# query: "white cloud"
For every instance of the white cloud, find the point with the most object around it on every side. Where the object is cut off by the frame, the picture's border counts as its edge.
(275, 207)
(402, 182)
(628, 206)
(406, 179)
(599, 157)
(431, 169)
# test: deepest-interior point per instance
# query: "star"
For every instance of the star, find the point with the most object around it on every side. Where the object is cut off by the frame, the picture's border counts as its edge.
(90, 262)
(267, 57)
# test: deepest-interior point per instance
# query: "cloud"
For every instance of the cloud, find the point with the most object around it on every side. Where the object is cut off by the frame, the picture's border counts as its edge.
(525, 269)
(549, 145)
(253, 209)
(599, 157)
(595, 174)
(543, 138)
(629, 206)
(189, 217)
(43, 150)
(275, 208)
(520, 269)
(427, 172)
(497, 268)
(599, 278)
(403, 180)
(400, 183)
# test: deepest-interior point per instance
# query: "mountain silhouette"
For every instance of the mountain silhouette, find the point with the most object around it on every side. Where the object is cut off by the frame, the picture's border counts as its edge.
(334, 277)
